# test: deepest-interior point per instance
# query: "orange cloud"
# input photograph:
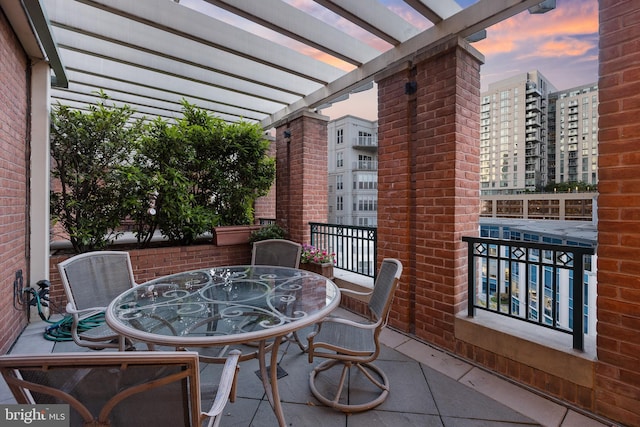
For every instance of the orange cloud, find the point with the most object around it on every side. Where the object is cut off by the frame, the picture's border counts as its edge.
(561, 47)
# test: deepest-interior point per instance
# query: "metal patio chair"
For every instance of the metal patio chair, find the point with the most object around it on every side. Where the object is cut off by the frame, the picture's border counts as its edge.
(91, 281)
(145, 388)
(279, 252)
(348, 344)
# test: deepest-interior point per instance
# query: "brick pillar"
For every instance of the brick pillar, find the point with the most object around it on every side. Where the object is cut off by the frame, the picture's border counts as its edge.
(301, 175)
(618, 308)
(428, 184)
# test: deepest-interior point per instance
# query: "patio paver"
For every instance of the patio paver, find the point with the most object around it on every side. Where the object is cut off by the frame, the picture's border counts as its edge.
(428, 388)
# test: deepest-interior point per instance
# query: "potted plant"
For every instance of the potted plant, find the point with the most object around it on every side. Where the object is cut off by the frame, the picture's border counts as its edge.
(316, 260)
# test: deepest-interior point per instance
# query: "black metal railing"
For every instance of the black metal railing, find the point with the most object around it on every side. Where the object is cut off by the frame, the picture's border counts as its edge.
(530, 281)
(355, 247)
(266, 221)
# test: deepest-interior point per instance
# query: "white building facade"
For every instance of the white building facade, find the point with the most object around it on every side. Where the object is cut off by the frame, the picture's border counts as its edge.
(353, 171)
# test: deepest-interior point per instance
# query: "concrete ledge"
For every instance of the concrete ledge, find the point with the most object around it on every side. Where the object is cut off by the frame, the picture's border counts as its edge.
(355, 282)
(540, 348)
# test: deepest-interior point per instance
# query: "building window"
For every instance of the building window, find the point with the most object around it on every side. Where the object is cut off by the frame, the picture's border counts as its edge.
(339, 160)
(366, 162)
(339, 136)
(339, 203)
(365, 181)
(365, 138)
(339, 183)
(366, 203)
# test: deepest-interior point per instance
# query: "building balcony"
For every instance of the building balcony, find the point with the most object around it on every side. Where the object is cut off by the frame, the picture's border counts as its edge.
(365, 165)
(368, 144)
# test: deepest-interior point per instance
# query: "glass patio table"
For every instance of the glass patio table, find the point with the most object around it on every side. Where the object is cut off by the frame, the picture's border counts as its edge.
(226, 306)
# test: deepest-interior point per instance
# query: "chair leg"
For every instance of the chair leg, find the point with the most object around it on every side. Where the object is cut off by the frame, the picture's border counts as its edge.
(370, 372)
(294, 337)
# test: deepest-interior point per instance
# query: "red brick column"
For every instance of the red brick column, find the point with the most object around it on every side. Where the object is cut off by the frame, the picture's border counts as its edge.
(618, 307)
(301, 175)
(428, 184)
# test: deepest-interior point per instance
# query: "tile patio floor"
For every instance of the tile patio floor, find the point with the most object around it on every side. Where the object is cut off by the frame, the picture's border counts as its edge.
(428, 388)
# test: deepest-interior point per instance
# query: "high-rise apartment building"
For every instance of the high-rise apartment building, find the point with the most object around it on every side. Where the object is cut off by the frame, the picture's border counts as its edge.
(513, 134)
(353, 171)
(532, 135)
(573, 135)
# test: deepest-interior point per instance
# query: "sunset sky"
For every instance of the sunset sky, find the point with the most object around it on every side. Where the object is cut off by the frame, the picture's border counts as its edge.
(562, 44)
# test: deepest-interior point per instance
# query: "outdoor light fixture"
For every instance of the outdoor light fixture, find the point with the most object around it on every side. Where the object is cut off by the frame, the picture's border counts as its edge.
(410, 88)
(287, 133)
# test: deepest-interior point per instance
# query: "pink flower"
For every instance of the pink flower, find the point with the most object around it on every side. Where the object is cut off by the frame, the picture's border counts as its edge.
(320, 256)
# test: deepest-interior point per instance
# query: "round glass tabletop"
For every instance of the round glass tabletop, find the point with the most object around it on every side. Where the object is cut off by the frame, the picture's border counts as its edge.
(223, 305)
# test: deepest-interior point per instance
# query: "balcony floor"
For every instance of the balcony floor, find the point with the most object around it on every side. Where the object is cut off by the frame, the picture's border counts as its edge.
(428, 388)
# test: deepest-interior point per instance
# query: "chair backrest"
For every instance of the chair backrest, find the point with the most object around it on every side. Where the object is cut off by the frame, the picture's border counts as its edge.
(115, 388)
(94, 279)
(384, 287)
(279, 252)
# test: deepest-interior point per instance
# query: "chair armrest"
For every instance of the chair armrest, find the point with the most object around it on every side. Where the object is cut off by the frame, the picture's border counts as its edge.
(343, 321)
(90, 310)
(351, 291)
(227, 385)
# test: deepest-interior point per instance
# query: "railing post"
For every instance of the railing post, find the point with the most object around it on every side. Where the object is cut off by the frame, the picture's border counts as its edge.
(471, 280)
(578, 301)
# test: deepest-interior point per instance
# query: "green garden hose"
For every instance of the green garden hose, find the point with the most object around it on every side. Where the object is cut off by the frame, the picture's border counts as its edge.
(61, 330)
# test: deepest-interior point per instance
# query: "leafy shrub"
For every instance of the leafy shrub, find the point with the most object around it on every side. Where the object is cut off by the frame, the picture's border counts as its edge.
(91, 154)
(181, 178)
(270, 231)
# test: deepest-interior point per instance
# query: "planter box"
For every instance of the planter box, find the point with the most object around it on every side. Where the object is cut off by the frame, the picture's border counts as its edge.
(325, 269)
(233, 234)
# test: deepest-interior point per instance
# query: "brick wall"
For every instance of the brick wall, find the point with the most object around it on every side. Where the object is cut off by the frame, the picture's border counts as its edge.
(14, 116)
(150, 263)
(429, 170)
(618, 369)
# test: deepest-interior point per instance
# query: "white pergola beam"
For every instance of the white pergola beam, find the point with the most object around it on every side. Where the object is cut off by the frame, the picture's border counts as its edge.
(301, 26)
(143, 77)
(435, 10)
(82, 32)
(87, 83)
(188, 23)
(375, 18)
(79, 43)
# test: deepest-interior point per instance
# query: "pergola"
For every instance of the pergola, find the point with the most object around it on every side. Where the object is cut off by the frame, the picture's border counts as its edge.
(242, 59)
(262, 61)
